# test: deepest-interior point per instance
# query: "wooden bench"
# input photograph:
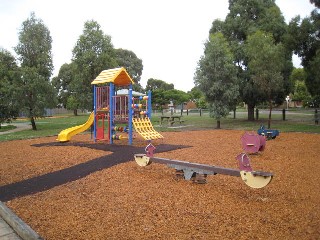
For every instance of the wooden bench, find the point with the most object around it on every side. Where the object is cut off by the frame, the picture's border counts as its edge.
(176, 121)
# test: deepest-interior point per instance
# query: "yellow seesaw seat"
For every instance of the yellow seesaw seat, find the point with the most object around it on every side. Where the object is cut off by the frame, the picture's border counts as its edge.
(65, 135)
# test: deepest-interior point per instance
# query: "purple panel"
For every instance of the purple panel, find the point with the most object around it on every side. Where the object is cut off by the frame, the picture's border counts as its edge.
(150, 150)
(244, 162)
(262, 143)
(250, 142)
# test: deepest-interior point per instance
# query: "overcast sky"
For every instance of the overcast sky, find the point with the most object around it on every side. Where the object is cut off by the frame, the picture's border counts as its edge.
(168, 35)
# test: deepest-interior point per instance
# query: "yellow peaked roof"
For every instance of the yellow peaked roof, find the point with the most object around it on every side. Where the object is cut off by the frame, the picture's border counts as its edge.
(117, 76)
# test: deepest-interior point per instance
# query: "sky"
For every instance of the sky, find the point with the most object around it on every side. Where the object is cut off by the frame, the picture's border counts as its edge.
(168, 35)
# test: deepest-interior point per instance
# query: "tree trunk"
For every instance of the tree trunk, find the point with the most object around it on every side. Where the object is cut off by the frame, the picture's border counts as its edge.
(251, 112)
(75, 112)
(33, 123)
(270, 110)
(218, 124)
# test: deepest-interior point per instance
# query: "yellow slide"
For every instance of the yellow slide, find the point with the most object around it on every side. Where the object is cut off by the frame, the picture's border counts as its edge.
(65, 135)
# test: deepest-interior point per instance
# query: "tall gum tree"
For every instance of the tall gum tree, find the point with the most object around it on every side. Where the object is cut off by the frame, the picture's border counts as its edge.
(8, 74)
(304, 39)
(216, 77)
(245, 17)
(34, 54)
(133, 65)
(265, 66)
(92, 53)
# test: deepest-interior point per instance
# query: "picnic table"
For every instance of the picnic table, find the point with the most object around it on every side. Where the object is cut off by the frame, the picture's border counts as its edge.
(171, 119)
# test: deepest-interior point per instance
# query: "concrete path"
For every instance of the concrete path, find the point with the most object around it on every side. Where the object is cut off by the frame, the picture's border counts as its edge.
(6, 232)
(19, 127)
(13, 228)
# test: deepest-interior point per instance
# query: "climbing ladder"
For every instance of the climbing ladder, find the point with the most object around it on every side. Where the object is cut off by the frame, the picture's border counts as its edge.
(143, 126)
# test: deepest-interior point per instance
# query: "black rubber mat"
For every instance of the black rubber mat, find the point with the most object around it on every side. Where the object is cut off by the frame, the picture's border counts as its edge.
(121, 154)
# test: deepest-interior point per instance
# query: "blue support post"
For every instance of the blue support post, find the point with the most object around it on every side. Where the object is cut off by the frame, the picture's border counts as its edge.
(149, 105)
(95, 113)
(111, 94)
(130, 114)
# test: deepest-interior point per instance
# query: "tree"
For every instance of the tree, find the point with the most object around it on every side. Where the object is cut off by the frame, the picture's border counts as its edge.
(158, 89)
(35, 91)
(298, 74)
(8, 74)
(265, 65)
(245, 17)
(216, 76)
(300, 92)
(92, 53)
(63, 85)
(197, 96)
(316, 3)
(304, 39)
(158, 99)
(178, 97)
(156, 84)
(133, 65)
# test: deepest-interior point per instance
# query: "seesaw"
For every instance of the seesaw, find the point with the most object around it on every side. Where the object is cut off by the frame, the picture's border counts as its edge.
(268, 133)
(198, 172)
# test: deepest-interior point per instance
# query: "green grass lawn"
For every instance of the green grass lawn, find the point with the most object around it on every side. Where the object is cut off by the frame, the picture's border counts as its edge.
(296, 121)
(45, 127)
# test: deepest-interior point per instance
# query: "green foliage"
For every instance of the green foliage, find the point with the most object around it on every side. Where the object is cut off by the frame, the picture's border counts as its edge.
(298, 74)
(265, 63)
(158, 100)
(304, 40)
(216, 76)
(176, 96)
(313, 75)
(93, 53)
(156, 84)
(197, 96)
(195, 93)
(34, 91)
(245, 17)
(8, 73)
(72, 103)
(163, 93)
(133, 65)
(202, 103)
(63, 83)
(316, 3)
(301, 92)
(34, 47)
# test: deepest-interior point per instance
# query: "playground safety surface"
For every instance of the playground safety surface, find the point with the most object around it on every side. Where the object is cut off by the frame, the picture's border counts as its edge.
(86, 190)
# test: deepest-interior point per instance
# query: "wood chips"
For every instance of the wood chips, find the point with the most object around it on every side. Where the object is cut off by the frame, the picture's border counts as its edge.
(131, 202)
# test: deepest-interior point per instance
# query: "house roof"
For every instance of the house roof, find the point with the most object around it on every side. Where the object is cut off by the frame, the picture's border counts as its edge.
(117, 76)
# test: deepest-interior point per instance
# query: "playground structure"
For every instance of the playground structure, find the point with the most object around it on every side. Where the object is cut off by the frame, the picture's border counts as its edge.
(268, 133)
(117, 110)
(252, 143)
(198, 172)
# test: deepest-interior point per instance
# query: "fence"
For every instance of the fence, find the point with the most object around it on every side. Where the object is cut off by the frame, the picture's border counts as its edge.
(298, 115)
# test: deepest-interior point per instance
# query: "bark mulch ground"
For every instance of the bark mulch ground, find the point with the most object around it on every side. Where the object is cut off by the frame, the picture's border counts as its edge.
(87, 190)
